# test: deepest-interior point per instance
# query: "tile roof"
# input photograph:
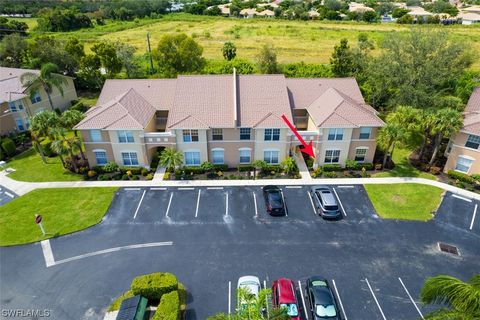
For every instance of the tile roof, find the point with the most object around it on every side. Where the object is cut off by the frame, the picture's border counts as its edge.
(471, 122)
(127, 111)
(11, 87)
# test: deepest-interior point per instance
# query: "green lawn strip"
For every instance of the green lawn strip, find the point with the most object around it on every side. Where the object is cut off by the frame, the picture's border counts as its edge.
(64, 210)
(30, 167)
(403, 168)
(405, 201)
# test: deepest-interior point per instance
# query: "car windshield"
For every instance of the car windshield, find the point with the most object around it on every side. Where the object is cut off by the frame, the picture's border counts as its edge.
(275, 199)
(319, 283)
(331, 208)
(325, 311)
(292, 309)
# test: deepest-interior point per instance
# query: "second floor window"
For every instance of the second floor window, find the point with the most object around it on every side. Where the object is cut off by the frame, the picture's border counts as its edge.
(35, 98)
(365, 133)
(473, 141)
(190, 135)
(95, 136)
(217, 134)
(335, 134)
(244, 133)
(272, 134)
(12, 107)
(125, 136)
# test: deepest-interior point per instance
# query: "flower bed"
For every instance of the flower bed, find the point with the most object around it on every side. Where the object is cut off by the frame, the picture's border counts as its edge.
(351, 170)
(464, 181)
(111, 171)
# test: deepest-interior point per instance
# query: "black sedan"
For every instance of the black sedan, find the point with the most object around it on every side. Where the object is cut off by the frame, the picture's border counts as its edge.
(321, 300)
(274, 200)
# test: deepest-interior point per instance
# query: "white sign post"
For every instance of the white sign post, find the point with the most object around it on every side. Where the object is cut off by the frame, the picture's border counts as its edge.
(38, 220)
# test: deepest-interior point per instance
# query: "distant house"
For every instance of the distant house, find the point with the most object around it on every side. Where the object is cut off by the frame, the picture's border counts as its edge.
(271, 4)
(358, 7)
(418, 13)
(266, 13)
(463, 150)
(469, 18)
(18, 105)
(224, 9)
(248, 13)
(313, 14)
(472, 9)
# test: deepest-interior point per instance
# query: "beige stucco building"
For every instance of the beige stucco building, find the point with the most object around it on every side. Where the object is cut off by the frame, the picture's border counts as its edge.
(17, 106)
(463, 148)
(229, 119)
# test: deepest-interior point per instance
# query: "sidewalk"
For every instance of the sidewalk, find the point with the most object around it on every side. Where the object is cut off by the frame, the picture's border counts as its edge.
(302, 167)
(21, 188)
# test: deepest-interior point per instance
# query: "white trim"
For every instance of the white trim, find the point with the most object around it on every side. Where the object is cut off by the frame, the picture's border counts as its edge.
(463, 147)
(466, 157)
(218, 149)
(362, 148)
(99, 150)
(357, 140)
(243, 149)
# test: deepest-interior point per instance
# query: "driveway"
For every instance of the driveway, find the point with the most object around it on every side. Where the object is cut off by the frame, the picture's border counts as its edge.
(210, 236)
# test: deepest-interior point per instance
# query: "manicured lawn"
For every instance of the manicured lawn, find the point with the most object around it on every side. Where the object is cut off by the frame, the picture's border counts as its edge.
(406, 201)
(403, 168)
(30, 167)
(64, 211)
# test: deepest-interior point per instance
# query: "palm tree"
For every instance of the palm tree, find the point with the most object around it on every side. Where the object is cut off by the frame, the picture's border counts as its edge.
(40, 126)
(47, 79)
(59, 147)
(461, 300)
(258, 164)
(388, 136)
(289, 165)
(70, 119)
(171, 158)
(444, 123)
(60, 136)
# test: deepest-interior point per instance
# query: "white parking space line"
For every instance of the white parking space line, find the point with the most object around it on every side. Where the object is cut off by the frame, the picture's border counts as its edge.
(255, 202)
(293, 187)
(169, 203)
(411, 299)
(461, 198)
(303, 300)
(155, 189)
(9, 194)
(264, 284)
(139, 204)
(339, 300)
(198, 202)
(229, 297)
(214, 188)
(346, 187)
(186, 189)
(284, 204)
(132, 189)
(473, 217)
(47, 253)
(340, 202)
(311, 201)
(226, 204)
(376, 301)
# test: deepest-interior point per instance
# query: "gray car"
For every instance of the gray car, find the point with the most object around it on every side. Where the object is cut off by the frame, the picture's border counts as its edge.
(325, 202)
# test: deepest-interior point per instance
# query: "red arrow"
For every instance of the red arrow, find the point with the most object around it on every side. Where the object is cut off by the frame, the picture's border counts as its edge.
(307, 148)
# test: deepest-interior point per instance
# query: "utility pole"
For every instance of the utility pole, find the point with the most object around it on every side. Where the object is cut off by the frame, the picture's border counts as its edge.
(150, 53)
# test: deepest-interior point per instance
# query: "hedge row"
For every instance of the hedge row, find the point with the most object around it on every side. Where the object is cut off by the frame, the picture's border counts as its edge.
(461, 176)
(337, 167)
(169, 307)
(154, 285)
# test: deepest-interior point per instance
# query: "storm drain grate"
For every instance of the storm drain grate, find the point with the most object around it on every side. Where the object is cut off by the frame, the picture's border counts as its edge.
(448, 248)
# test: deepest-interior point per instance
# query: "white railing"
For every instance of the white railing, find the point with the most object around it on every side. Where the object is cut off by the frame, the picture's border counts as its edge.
(158, 134)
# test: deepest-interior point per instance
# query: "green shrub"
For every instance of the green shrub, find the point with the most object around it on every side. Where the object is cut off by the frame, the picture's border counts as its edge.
(154, 285)
(460, 176)
(190, 170)
(98, 169)
(125, 177)
(144, 172)
(330, 174)
(149, 176)
(2, 154)
(367, 166)
(169, 307)
(309, 162)
(245, 168)
(9, 147)
(117, 302)
(332, 167)
(476, 176)
(317, 172)
(104, 177)
(351, 164)
(47, 149)
(135, 177)
(275, 168)
(110, 167)
(133, 170)
(220, 167)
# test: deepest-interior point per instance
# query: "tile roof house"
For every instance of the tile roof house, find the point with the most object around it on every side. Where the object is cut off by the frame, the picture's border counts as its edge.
(463, 150)
(229, 119)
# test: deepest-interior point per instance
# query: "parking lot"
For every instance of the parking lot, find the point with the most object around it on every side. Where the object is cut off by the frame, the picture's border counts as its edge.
(6, 195)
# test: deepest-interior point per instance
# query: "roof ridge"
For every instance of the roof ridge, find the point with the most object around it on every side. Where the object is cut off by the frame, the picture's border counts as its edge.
(124, 116)
(185, 118)
(335, 113)
(262, 119)
(102, 110)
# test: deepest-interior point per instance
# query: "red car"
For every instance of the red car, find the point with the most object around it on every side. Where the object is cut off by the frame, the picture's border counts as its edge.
(283, 292)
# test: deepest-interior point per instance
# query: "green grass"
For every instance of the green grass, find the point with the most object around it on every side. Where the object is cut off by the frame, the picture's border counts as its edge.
(403, 168)
(64, 210)
(30, 167)
(405, 201)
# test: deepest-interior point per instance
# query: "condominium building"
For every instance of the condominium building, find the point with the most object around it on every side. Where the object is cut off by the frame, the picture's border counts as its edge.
(18, 105)
(229, 119)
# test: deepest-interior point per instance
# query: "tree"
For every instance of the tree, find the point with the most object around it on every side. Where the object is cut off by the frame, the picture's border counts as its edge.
(13, 51)
(459, 300)
(89, 76)
(229, 51)
(48, 79)
(258, 165)
(125, 54)
(370, 16)
(409, 119)
(107, 54)
(267, 60)
(399, 12)
(387, 137)
(75, 49)
(68, 120)
(40, 125)
(289, 165)
(65, 144)
(342, 59)
(334, 5)
(171, 158)
(47, 49)
(444, 123)
(178, 54)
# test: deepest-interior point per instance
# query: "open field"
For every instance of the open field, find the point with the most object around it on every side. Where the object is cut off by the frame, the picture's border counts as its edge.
(309, 41)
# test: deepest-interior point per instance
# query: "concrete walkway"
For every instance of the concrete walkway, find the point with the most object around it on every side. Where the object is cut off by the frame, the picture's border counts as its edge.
(302, 167)
(158, 176)
(21, 188)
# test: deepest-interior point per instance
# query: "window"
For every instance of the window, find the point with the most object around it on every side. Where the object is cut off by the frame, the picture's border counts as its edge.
(19, 123)
(245, 156)
(244, 133)
(101, 157)
(19, 105)
(463, 164)
(35, 97)
(125, 136)
(190, 135)
(332, 156)
(335, 134)
(217, 156)
(360, 154)
(270, 157)
(272, 134)
(130, 158)
(12, 107)
(192, 158)
(95, 136)
(473, 141)
(365, 133)
(217, 134)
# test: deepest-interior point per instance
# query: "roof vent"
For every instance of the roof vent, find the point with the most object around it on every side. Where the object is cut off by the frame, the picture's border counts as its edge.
(448, 248)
